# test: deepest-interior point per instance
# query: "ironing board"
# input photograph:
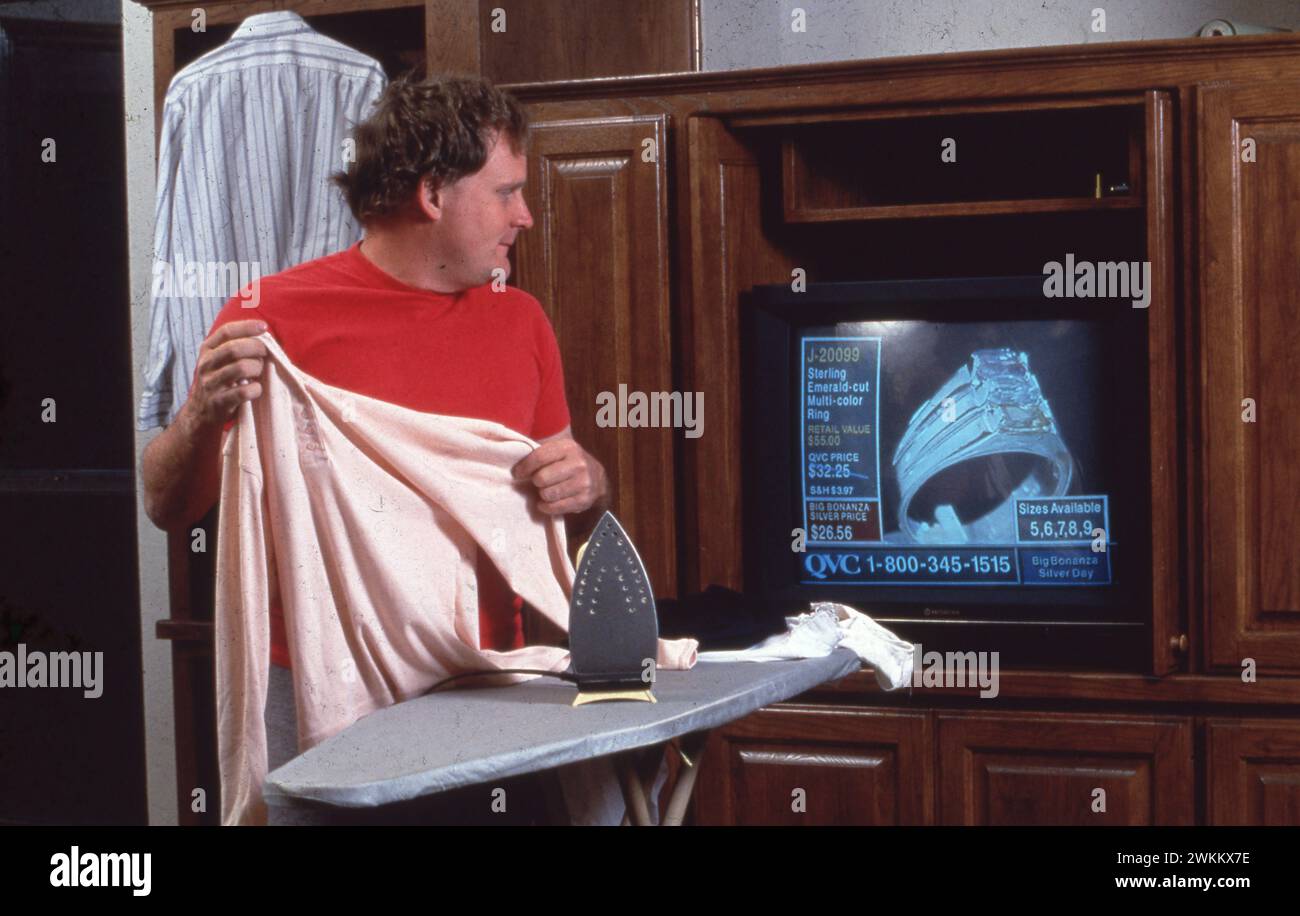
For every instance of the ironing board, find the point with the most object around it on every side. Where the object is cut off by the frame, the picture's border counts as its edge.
(471, 735)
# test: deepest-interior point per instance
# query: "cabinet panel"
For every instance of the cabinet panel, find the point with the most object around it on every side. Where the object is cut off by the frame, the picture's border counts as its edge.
(1045, 769)
(816, 767)
(1253, 772)
(536, 41)
(1250, 161)
(597, 260)
(727, 252)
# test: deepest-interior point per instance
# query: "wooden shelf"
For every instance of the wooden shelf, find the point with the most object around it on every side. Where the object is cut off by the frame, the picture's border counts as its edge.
(856, 115)
(961, 160)
(198, 631)
(964, 208)
(1077, 686)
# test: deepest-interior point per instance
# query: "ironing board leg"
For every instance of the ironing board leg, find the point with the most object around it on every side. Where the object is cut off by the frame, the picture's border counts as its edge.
(637, 780)
(692, 748)
(634, 793)
(645, 762)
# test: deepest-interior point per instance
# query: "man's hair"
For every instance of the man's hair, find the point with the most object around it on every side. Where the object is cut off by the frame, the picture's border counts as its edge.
(426, 130)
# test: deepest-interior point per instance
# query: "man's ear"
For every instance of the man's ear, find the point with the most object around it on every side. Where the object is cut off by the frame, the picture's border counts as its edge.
(429, 200)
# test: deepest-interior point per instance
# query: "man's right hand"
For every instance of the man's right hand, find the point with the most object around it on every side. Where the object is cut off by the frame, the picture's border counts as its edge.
(229, 363)
(181, 468)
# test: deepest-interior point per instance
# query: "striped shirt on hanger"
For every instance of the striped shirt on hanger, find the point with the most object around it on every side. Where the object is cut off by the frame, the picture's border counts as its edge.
(251, 133)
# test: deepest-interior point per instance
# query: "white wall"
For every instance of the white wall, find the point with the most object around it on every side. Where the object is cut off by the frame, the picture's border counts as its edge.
(741, 34)
(151, 544)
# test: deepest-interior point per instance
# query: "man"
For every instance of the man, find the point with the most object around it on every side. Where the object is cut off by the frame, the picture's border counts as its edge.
(409, 315)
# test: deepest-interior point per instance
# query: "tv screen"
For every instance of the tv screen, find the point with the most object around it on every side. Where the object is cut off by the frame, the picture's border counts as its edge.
(949, 451)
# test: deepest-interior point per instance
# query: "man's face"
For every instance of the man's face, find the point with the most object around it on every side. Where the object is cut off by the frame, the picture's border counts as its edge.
(482, 214)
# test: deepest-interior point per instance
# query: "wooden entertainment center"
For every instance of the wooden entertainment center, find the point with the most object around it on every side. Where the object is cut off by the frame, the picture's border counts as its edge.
(659, 200)
(836, 169)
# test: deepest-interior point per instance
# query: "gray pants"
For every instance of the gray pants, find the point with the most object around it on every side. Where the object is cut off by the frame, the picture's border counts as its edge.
(281, 719)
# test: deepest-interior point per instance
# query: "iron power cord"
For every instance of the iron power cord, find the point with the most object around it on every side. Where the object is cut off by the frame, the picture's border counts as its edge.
(563, 675)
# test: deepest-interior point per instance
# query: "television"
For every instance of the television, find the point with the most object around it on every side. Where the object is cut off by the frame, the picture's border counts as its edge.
(964, 460)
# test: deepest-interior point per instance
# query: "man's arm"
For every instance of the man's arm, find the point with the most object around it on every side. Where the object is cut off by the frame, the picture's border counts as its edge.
(181, 472)
(181, 468)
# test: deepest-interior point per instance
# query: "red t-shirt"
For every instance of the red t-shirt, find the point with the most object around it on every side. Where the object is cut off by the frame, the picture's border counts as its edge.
(476, 353)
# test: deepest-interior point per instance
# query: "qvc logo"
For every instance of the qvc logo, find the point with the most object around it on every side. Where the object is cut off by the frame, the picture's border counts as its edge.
(825, 565)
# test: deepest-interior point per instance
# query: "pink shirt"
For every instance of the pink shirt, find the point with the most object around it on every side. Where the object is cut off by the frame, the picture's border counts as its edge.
(366, 519)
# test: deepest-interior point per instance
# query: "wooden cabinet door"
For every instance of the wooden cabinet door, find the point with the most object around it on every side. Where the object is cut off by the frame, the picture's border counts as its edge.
(1046, 768)
(818, 766)
(597, 259)
(1253, 774)
(1250, 349)
(729, 252)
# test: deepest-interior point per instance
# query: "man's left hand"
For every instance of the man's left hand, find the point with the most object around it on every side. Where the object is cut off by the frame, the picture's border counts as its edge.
(568, 478)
